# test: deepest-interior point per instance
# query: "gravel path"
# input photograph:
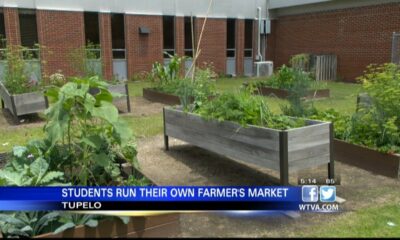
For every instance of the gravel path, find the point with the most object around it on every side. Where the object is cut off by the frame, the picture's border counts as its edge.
(188, 165)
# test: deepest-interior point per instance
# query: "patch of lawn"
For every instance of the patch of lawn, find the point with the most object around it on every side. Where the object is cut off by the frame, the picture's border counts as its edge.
(142, 127)
(343, 95)
(145, 126)
(11, 137)
(135, 88)
(381, 221)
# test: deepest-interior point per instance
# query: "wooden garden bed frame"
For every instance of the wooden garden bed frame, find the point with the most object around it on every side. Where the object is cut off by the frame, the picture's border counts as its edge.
(282, 93)
(368, 159)
(284, 151)
(156, 96)
(165, 225)
(121, 88)
(22, 104)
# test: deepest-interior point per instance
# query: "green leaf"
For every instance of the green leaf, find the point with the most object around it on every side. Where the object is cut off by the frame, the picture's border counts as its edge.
(12, 178)
(19, 151)
(39, 167)
(102, 159)
(95, 141)
(64, 227)
(106, 111)
(50, 177)
(124, 219)
(92, 223)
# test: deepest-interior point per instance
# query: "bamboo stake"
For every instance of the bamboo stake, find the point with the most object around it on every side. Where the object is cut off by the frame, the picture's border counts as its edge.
(198, 50)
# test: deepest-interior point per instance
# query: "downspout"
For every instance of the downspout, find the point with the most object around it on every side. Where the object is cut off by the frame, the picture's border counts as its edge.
(259, 55)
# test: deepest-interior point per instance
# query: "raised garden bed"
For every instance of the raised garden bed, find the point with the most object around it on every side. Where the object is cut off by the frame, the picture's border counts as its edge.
(281, 150)
(156, 96)
(282, 93)
(166, 225)
(367, 159)
(121, 88)
(22, 104)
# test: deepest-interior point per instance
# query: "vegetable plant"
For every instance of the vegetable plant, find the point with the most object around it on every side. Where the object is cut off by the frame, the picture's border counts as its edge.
(83, 127)
(245, 109)
(26, 224)
(376, 125)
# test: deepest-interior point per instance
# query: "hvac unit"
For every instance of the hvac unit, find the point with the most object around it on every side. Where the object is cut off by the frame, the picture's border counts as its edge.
(264, 69)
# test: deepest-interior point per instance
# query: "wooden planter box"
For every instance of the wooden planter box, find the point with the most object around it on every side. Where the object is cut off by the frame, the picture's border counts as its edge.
(121, 88)
(157, 96)
(282, 93)
(166, 225)
(367, 159)
(283, 151)
(22, 104)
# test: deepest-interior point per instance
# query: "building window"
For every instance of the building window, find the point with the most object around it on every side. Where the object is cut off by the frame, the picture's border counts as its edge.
(189, 35)
(248, 38)
(92, 36)
(169, 35)
(118, 36)
(28, 31)
(230, 37)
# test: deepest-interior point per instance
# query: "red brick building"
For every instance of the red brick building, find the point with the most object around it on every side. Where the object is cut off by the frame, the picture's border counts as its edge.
(134, 34)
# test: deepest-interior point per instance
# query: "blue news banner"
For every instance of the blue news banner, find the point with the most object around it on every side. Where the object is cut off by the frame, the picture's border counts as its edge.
(159, 198)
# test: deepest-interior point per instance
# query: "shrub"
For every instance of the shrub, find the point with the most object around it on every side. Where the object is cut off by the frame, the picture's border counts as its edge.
(18, 77)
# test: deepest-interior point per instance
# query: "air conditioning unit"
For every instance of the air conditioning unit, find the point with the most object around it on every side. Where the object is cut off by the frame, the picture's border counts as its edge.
(264, 69)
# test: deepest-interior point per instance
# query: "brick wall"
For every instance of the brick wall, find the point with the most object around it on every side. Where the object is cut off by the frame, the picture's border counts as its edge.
(180, 40)
(60, 33)
(11, 22)
(143, 50)
(106, 44)
(358, 36)
(213, 44)
(239, 35)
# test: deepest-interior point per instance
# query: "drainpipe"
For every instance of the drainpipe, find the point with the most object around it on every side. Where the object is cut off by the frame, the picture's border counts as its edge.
(259, 55)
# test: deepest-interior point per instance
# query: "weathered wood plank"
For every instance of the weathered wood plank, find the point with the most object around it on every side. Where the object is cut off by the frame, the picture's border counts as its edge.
(225, 147)
(308, 163)
(308, 146)
(315, 129)
(261, 137)
(6, 97)
(308, 152)
(308, 141)
(29, 103)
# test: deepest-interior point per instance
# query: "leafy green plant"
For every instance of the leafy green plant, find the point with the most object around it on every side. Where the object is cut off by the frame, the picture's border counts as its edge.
(26, 170)
(245, 109)
(300, 61)
(165, 78)
(83, 127)
(18, 77)
(70, 220)
(298, 91)
(26, 224)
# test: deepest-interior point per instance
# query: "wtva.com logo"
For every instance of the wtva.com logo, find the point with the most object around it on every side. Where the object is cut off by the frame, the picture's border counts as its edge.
(326, 193)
